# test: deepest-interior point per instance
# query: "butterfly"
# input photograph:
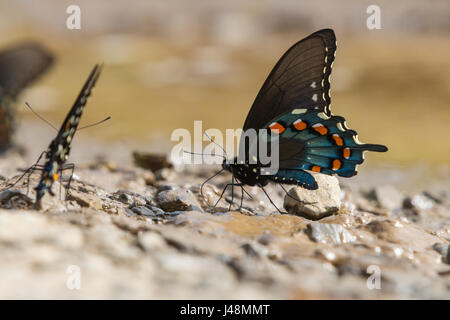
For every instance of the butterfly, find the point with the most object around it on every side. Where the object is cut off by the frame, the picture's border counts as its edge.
(20, 65)
(293, 107)
(58, 151)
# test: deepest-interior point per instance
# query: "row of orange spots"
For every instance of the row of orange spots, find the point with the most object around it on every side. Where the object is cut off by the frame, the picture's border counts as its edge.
(346, 153)
(338, 140)
(276, 127)
(320, 128)
(300, 125)
(336, 165)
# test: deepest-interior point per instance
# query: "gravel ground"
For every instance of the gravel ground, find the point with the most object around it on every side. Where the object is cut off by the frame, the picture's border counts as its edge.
(126, 232)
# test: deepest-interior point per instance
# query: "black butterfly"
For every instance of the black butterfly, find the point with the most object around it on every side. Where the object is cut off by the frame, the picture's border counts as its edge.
(19, 66)
(58, 151)
(293, 106)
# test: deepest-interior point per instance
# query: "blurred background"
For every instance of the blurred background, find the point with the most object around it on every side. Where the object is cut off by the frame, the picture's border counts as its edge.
(168, 63)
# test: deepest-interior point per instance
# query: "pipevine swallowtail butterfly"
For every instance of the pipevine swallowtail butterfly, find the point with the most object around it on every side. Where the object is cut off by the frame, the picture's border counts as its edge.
(58, 151)
(293, 105)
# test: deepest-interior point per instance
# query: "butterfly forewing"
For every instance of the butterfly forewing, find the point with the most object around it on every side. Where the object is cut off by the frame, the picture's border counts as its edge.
(72, 119)
(300, 79)
(59, 148)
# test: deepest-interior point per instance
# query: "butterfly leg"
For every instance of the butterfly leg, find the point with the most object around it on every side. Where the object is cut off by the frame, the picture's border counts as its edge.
(270, 199)
(29, 176)
(232, 192)
(60, 183)
(221, 195)
(71, 167)
(204, 182)
(32, 168)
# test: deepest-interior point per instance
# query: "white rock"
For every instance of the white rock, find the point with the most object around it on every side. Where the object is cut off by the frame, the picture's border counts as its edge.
(329, 233)
(315, 204)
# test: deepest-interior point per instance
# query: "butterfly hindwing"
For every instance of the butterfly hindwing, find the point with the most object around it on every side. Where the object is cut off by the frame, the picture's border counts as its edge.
(295, 176)
(315, 141)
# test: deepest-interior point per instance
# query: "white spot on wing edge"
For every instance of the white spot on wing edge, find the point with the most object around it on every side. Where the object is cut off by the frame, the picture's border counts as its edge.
(340, 127)
(314, 97)
(299, 111)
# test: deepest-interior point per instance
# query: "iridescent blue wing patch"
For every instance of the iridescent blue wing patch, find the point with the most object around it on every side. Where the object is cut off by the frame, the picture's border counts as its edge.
(315, 141)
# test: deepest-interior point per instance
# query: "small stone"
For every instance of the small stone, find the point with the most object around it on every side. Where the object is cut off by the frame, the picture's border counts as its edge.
(85, 200)
(14, 199)
(157, 210)
(329, 233)
(131, 198)
(178, 200)
(111, 166)
(151, 161)
(151, 241)
(266, 238)
(143, 211)
(387, 197)
(122, 196)
(165, 174)
(164, 185)
(315, 204)
(149, 178)
(419, 202)
(444, 250)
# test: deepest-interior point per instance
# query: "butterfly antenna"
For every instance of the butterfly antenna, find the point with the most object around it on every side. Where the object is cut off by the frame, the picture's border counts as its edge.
(210, 139)
(204, 182)
(204, 154)
(96, 123)
(27, 171)
(40, 117)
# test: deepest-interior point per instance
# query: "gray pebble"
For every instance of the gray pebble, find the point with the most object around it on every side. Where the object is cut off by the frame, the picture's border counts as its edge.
(178, 200)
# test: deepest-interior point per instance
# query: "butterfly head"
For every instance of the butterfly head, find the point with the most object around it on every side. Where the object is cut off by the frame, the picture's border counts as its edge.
(228, 165)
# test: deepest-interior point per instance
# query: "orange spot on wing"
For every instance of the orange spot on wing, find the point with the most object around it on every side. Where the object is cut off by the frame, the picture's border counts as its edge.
(55, 176)
(346, 153)
(336, 164)
(277, 128)
(316, 169)
(67, 125)
(300, 125)
(338, 140)
(320, 128)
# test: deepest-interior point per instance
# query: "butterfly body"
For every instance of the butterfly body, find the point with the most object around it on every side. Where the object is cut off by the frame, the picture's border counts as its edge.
(245, 173)
(59, 149)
